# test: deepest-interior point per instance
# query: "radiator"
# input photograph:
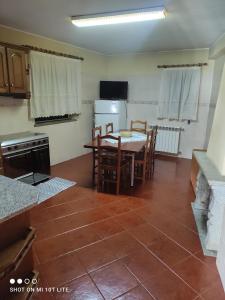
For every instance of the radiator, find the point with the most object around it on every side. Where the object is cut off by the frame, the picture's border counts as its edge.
(168, 139)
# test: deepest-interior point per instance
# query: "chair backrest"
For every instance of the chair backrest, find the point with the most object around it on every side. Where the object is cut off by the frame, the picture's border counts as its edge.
(105, 150)
(109, 128)
(154, 136)
(148, 144)
(96, 131)
(139, 126)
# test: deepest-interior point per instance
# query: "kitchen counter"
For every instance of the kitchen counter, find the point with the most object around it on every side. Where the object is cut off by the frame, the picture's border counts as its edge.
(15, 198)
(209, 170)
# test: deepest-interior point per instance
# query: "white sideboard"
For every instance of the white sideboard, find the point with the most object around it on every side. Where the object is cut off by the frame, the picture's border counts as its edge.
(210, 198)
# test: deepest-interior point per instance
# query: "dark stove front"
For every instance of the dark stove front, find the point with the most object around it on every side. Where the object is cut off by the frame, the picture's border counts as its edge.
(28, 162)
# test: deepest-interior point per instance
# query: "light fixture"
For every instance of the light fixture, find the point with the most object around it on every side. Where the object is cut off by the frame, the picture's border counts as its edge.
(119, 17)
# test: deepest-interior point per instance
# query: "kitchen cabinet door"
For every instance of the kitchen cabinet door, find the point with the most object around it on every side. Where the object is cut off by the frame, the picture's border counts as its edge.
(4, 85)
(17, 71)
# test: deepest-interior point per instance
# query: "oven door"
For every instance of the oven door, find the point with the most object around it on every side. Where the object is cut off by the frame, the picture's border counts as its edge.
(41, 160)
(18, 164)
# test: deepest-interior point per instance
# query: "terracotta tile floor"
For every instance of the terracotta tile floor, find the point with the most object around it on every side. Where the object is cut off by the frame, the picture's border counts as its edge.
(142, 245)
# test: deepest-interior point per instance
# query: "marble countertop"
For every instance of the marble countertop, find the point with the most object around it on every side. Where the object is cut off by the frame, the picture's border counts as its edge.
(209, 170)
(15, 197)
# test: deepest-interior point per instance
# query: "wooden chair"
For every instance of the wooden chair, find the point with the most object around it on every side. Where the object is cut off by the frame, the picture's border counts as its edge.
(95, 132)
(139, 126)
(111, 164)
(141, 162)
(109, 128)
(152, 155)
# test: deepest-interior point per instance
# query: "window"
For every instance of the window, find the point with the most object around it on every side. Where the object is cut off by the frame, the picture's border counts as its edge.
(179, 93)
(55, 87)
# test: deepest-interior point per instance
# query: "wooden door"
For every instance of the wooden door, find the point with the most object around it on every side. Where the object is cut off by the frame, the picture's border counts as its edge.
(4, 84)
(17, 71)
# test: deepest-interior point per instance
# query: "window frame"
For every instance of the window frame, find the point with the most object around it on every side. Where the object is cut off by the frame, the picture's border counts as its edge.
(43, 121)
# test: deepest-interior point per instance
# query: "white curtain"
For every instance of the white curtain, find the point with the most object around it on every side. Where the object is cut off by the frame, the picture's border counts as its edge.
(55, 85)
(179, 93)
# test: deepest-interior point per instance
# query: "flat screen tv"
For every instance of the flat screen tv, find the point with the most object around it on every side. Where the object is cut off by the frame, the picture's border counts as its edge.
(113, 90)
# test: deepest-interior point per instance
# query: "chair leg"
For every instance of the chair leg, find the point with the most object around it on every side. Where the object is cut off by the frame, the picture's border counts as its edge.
(143, 173)
(93, 168)
(118, 183)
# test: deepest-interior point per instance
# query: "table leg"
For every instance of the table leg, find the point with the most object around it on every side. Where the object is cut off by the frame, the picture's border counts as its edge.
(132, 170)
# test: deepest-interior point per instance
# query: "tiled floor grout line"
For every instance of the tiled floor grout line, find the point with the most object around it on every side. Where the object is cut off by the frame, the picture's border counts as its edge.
(85, 226)
(87, 274)
(168, 267)
(139, 285)
(80, 211)
(117, 259)
(80, 248)
(42, 207)
(170, 238)
(149, 198)
(138, 280)
(75, 229)
(95, 285)
(152, 253)
(89, 224)
(138, 242)
(85, 210)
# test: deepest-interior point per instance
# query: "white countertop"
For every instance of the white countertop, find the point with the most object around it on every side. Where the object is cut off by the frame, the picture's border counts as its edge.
(15, 197)
(209, 170)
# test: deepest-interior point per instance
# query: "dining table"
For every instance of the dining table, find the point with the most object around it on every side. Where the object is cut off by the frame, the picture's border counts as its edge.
(130, 145)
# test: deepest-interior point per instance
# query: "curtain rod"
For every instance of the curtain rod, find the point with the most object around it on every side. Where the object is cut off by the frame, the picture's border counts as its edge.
(52, 52)
(182, 66)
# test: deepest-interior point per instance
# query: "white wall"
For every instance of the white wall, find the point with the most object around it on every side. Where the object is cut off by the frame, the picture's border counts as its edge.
(216, 148)
(217, 74)
(141, 72)
(66, 139)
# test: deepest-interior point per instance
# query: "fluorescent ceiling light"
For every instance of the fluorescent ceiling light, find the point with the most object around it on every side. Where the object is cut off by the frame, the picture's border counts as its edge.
(121, 17)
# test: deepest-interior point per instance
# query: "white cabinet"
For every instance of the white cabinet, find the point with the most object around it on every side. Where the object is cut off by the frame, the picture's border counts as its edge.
(220, 261)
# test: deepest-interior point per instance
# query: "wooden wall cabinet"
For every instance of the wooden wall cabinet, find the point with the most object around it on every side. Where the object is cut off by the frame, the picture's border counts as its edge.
(13, 71)
(4, 81)
(17, 71)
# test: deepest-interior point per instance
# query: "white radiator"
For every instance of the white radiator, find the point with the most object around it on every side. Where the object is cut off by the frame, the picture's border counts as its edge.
(168, 139)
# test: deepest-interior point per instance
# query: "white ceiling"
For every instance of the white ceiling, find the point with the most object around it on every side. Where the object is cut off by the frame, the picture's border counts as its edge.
(189, 24)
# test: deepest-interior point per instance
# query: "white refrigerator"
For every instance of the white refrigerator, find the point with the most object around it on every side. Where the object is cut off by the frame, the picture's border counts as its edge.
(110, 111)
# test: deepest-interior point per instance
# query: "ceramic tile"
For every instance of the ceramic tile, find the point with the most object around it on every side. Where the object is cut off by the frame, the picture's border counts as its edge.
(216, 292)
(163, 203)
(116, 208)
(56, 227)
(96, 256)
(143, 264)
(107, 228)
(183, 236)
(196, 274)
(208, 260)
(168, 286)
(146, 234)
(60, 245)
(122, 244)
(168, 251)
(138, 293)
(62, 269)
(80, 289)
(129, 220)
(114, 280)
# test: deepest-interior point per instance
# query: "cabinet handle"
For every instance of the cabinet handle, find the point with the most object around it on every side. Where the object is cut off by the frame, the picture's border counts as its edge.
(6, 85)
(12, 84)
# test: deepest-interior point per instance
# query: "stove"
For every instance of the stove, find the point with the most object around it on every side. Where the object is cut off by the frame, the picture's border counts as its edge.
(25, 156)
